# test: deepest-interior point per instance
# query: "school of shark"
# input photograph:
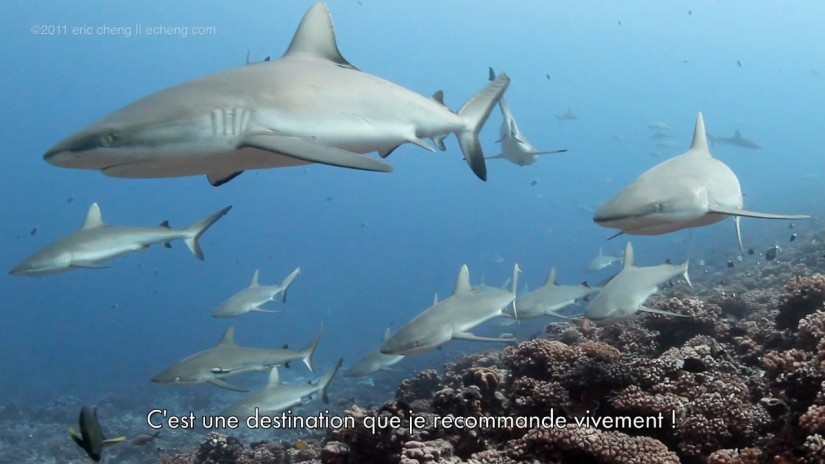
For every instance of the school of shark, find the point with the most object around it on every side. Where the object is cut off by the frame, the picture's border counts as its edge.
(311, 105)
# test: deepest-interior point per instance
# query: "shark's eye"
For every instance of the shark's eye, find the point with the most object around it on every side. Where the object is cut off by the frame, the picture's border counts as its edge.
(658, 207)
(107, 139)
(177, 379)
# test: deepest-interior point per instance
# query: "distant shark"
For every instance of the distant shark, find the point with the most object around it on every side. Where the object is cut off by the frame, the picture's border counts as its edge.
(625, 294)
(690, 190)
(568, 116)
(452, 318)
(548, 299)
(601, 261)
(228, 359)
(737, 140)
(374, 361)
(309, 106)
(515, 147)
(252, 297)
(97, 241)
(277, 397)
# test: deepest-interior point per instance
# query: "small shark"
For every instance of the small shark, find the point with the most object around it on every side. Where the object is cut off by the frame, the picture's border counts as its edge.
(568, 116)
(515, 147)
(625, 294)
(374, 361)
(91, 437)
(227, 359)
(252, 297)
(737, 140)
(277, 397)
(658, 126)
(693, 189)
(309, 106)
(601, 261)
(452, 318)
(549, 299)
(97, 241)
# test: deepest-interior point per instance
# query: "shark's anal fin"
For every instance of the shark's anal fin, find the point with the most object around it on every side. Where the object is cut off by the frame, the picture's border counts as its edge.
(475, 338)
(660, 311)
(312, 151)
(228, 386)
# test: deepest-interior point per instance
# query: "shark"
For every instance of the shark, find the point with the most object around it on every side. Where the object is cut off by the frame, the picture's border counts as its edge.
(568, 116)
(515, 147)
(601, 261)
(548, 299)
(228, 359)
(97, 241)
(692, 189)
(252, 297)
(374, 361)
(310, 105)
(277, 397)
(453, 317)
(737, 141)
(625, 294)
(91, 437)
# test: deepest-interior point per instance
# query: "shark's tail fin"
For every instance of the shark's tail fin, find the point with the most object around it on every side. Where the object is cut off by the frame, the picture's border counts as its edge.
(326, 379)
(310, 349)
(194, 232)
(287, 282)
(475, 113)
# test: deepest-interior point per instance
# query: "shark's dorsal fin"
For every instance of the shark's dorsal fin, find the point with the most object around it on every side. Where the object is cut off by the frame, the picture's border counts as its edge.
(435, 300)
(737, 135)
(228, 337)
(628, 256)
(254, 279)
(551, 277)
(699, 145)
(386, 334)
(438, 97)
(316, 36)
(93, 218)
(462, 282)
(600, 252)
(274, 378)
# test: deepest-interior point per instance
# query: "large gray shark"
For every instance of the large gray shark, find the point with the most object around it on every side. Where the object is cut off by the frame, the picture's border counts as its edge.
(737, 140)
(601, 261)
(228, 359)
(452, 318)
(252, 297)
(548, 299)
(690, 190)
(374, 361)
(309, 106)
(515, 147)
(277, 397)
(97, 241)
(625, 294)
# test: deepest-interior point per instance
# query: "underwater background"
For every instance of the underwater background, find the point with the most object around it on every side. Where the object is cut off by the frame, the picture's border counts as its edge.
(373, 248)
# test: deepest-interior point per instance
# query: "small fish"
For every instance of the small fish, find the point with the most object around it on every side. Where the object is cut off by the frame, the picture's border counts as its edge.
(142, 439)
(534, 182)
(730, 263)
(34, 230)
(547, 76)
(301, 445)
(771, 253)
(690, 12)
(69, 200)
(791, 226)
(739, 63)
(91, 437)
(751, 251)
(793, 237)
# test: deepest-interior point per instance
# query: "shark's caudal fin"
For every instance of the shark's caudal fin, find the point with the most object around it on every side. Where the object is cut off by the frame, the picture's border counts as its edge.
(326, 379)
(310, 349)
(287, 282)
(475, 113)
(194, 232)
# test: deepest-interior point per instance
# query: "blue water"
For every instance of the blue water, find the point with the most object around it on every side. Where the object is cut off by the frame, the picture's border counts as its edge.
(374, 248)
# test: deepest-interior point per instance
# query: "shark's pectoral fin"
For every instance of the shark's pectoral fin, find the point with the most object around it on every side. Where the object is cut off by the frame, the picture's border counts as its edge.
(228, 386)
(475, 338)
(219, 178)
(755, 214)
(660, 311)
(312, 151)
(261, 310)
(88, 265)
(549, 152)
